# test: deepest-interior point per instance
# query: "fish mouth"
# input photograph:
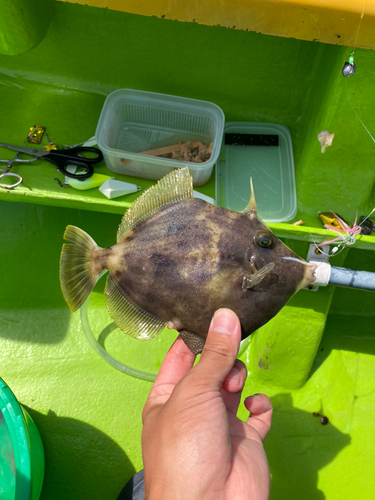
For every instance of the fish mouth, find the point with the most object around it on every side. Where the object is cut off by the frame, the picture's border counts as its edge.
(309, 275)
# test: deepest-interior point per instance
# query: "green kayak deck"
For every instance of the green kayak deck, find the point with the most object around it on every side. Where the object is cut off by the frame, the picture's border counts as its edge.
(316, 356)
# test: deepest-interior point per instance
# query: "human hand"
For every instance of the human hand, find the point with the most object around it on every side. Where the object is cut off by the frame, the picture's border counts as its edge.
(194, 446)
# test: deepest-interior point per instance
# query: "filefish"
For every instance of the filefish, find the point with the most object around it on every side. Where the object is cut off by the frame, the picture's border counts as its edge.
(178, 259)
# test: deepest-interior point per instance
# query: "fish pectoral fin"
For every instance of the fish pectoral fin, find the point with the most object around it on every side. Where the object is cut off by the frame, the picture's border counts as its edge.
(252, 279)
(194, 342)
(134, 322)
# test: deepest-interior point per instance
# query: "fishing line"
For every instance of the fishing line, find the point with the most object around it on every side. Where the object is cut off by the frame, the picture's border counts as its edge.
(356, 114)
(359, 26)
(299, 261)
(351, 62)
(336, 250)
(369, 215)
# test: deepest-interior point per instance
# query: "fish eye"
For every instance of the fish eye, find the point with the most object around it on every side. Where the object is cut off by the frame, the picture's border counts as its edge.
(263, 240)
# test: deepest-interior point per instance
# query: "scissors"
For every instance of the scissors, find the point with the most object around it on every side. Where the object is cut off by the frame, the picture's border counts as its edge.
(62, 158)
(6, 173)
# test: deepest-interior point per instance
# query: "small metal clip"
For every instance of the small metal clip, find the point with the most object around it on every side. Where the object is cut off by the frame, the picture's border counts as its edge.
(60, 184)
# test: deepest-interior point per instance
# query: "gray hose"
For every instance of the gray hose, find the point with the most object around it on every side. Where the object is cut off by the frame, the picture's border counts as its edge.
(353, 279)
(326, 274)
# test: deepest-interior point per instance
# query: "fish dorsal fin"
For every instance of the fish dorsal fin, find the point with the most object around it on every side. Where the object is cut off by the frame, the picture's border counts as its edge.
(251, 208)
(176, 186)
(128, 318)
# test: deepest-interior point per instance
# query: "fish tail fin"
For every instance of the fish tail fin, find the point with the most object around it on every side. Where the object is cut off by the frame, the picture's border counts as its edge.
(78, 275)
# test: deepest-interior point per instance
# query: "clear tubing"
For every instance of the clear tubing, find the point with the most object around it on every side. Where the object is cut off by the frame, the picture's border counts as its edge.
(133, 372)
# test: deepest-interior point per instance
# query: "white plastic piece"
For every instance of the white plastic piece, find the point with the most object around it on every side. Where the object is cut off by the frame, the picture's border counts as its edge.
(322, 273)
(113, 189)
(197, 194)
(318, 257)
(90, 142)
(315, 255)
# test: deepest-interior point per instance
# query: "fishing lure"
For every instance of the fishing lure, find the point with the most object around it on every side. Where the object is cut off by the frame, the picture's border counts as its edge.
(350, 233)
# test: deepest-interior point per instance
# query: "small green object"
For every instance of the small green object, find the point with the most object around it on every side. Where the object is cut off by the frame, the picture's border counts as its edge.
(21, 451)
(94, 181)
(351, 60)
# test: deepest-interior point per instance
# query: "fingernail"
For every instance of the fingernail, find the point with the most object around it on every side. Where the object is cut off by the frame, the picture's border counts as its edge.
(235, 375)
(223, 322)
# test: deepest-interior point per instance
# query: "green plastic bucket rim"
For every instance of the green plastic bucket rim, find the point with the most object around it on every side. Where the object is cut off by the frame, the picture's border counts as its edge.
(14, 419)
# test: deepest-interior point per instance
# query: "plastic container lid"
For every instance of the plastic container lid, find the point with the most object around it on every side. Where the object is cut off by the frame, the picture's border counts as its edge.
(21, 451)
(270, 166)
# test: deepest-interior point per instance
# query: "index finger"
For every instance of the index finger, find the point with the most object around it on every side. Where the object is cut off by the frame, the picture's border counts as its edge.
(177, 363)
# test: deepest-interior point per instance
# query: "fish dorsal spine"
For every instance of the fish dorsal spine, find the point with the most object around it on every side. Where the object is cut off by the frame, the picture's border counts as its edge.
(176, 186)
(251, 208)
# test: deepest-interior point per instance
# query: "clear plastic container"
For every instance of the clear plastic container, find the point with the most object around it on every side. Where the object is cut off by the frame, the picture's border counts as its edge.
(133, 121)
(271, 168)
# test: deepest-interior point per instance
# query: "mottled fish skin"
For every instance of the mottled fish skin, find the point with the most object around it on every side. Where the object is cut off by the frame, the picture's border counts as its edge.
(190, 258)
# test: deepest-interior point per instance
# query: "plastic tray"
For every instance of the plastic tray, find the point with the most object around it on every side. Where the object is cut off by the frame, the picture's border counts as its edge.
(271, 168)
(133, 121)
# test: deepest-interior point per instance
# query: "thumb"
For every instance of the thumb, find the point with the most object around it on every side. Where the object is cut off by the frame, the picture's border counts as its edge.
(221, 348)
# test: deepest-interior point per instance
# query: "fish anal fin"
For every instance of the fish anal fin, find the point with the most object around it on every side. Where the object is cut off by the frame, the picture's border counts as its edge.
(128, 318)
(252, 279)
(175, 186)
(251, 208)
(194, 342)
